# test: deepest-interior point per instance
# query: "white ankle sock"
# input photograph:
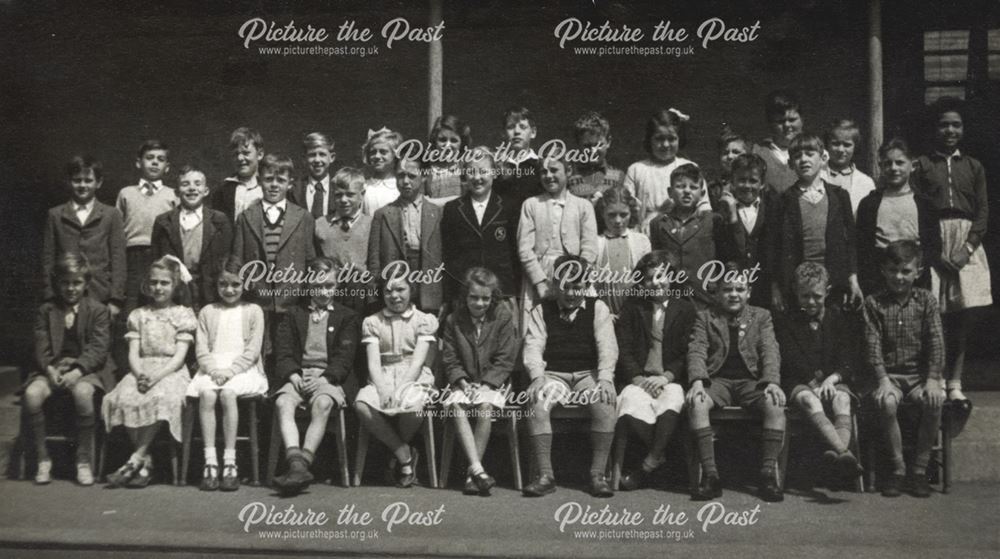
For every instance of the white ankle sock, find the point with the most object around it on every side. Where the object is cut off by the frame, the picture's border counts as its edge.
(229, 456)
(211, 457)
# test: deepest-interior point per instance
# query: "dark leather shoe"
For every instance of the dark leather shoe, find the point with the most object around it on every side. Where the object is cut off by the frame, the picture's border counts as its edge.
(210, 478)
(141, 478)
(599, 486)
(408, 479)
(633, 480)
(484, 482)
(769, 490)
(710, 488)
(543, 485)
(848, 466)
(470, 487)
(920, 487)
(893, 486)
(122, 475)
(231, 478)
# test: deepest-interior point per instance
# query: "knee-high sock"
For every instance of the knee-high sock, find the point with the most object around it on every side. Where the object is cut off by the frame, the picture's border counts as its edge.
(774, 439)
(665, 426)
(601, 448)
(842, 423)
(929, 425)
(542, 445)
(894, 438)
(38, 432)
(705, 441)
(827, 430)
(85, 439)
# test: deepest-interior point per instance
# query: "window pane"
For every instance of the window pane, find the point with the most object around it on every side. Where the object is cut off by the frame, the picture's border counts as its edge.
(945, 67)
(994, 36)
(994, 71)
(934, 93)
(946, 40)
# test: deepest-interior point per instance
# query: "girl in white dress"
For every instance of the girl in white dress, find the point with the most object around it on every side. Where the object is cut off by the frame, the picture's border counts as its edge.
(228, 344)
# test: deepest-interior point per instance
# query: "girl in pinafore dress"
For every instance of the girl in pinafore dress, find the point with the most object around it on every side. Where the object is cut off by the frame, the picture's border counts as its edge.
(397, 340)
(956, 184)
(159, 336)
(230, 335)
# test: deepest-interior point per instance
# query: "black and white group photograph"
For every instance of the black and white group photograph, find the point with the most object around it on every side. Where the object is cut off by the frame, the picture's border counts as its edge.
(500, 278)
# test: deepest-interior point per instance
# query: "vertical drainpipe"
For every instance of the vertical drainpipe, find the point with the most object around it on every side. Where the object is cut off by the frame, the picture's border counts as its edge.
(434, 69)
(875, 104)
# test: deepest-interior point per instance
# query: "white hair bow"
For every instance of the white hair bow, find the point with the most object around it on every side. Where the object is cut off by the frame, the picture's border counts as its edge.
(683, 117)
(372, 133)
(181, 268)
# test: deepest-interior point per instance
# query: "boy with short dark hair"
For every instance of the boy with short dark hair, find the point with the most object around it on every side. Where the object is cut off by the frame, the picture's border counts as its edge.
(784, 118)
(139, 205)
(240, 191)
(344, 234)
(517, 173)
(592, 133)
(733, 359)
(86, 226)
(905, 349)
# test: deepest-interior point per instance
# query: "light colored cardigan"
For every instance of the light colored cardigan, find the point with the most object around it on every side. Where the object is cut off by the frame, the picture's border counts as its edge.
(253, 336)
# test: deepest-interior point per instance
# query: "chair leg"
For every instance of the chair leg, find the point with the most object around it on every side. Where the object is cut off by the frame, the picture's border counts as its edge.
(856, 449)
(447, 442)
(340, 436)
(429, 450)
(103, 460)
(945, 434)
(360, 455)
(621, 440)
(254, 442)
(515, 451)
(187, 429)
(273, 449)
(174, 462)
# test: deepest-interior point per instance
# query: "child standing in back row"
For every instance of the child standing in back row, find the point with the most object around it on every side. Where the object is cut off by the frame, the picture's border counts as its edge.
(841, 139)
(139, 206)
(956, 184)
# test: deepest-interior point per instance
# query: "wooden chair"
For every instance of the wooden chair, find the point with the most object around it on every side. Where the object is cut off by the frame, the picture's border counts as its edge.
(510, 428)
(429, 451)
(336, 425)
(941, 451)
(249, 410)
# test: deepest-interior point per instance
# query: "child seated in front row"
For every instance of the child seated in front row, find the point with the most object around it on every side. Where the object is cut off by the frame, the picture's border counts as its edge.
(480, 346)
(228, 343)
(733, 359)
(316, 348)
(905, 350)
(159, 336)
(818, 346)
(653, 331)
(570, 353)
(72, 341)
(397, 341)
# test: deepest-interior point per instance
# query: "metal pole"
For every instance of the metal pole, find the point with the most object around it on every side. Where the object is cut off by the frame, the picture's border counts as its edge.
(434, 70)
(875, 82)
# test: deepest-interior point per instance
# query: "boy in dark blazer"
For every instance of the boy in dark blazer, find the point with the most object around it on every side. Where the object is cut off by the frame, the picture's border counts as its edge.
(85, 226)
(817, 225)
(273, 234)
(316, 349)
(197, 235)
(481, 228)
(653, 332)
(72, 343)
(754, 213)
(733, 360)
(479, 349)
(819, 349)
(409, 230)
